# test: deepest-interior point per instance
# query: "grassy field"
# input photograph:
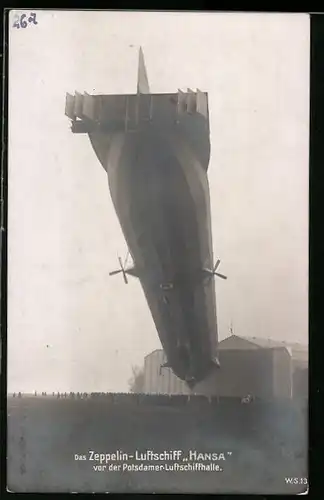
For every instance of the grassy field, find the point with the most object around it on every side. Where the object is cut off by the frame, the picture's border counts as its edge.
(263, 442)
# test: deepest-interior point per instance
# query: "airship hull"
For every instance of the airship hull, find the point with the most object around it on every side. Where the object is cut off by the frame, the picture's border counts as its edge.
(161, 196)
(155, 149)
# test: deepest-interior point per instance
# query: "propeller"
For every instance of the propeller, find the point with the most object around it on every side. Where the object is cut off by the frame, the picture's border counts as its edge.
(121, 270)
(218, 274)
(216, 265)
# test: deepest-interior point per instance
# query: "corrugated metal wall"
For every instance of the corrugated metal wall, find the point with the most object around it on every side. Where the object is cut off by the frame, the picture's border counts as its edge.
(159, 380)
(300, 383)
(241, 372)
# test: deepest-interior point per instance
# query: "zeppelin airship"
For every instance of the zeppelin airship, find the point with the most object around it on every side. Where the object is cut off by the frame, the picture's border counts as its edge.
(155, 149)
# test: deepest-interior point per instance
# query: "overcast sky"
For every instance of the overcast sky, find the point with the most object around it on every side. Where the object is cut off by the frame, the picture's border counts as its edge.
(70, 325)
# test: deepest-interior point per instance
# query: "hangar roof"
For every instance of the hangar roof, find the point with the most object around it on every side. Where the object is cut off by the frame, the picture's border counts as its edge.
(299, 351)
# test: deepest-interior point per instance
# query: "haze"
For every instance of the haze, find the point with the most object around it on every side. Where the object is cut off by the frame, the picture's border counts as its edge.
(70, 325)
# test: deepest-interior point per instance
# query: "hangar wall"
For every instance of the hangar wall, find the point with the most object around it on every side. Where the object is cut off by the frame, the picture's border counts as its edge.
(262, 373)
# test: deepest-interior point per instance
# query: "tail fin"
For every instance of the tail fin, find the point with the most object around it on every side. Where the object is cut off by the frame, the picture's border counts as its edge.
(142, 80)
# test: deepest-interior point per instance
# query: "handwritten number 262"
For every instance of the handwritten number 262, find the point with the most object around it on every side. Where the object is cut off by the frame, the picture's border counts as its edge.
(20, 21)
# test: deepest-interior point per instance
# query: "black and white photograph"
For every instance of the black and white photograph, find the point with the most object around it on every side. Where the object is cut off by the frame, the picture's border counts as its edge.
(157, 269)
